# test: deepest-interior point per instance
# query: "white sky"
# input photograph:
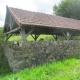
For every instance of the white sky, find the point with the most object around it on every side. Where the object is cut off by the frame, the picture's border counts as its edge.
(44, 6)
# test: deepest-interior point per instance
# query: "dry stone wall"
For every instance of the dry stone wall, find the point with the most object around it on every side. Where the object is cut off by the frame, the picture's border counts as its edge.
(35, 53)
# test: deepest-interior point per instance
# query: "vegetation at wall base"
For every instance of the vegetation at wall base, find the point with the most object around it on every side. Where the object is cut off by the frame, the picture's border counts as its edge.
(2, 35)
(4, 67)
(68, 69)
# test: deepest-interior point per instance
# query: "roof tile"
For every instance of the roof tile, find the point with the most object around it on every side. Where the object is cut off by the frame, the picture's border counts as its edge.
(41, 19)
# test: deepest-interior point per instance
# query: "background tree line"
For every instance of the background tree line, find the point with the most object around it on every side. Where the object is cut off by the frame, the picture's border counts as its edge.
(68, 8)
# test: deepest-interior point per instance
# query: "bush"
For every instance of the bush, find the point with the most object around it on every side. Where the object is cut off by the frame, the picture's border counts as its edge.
(4, 67)
(2, 35)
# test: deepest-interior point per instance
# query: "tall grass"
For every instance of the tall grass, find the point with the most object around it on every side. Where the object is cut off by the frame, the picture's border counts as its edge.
(4, 67)
(68, 69)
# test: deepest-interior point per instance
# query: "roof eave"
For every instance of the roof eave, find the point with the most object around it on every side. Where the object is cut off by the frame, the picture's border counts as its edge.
(58, 27)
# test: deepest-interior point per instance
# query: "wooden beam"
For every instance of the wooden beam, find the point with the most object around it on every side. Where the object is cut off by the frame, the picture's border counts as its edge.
(68, 34)
(56, 37)
(32, 36)
(24, 35)
(35, 36)
(14, 30)
(30, 32)
(7, 37)
(63, 33)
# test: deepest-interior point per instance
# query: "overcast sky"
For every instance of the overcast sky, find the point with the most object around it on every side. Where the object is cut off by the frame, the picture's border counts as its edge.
(44, 6)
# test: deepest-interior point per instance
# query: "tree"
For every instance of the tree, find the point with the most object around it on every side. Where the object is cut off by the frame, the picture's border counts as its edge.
(68, 8)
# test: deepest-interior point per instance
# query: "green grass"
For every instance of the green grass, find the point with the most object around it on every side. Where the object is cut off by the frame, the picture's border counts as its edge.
(45, 37)
(68, 69)
(30, 38)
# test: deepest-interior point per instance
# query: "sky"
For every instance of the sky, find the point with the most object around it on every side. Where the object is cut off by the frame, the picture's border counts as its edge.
(43, 6)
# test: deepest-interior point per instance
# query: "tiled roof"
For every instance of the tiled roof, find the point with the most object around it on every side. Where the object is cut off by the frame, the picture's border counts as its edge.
(41, 19)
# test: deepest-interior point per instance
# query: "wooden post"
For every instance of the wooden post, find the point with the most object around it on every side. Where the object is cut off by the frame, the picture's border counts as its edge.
(68, 36)
(23, 35)
(8, 36)
(56, 37)
(30, 32)
(35, 37)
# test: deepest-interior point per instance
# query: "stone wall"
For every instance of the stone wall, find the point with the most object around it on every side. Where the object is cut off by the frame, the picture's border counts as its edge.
(34, 53)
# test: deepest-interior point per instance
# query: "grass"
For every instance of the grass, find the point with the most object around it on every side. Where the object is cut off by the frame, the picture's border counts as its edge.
(30, 38)
(68, 69)
(45, 37)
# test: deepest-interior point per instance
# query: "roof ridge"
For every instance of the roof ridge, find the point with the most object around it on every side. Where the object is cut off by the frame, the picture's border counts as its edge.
(31, 11)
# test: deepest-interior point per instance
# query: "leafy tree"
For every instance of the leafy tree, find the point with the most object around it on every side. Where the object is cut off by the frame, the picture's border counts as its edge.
(68, 8)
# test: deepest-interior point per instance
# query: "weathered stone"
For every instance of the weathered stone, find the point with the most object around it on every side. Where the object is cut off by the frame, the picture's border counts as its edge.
(36, 53)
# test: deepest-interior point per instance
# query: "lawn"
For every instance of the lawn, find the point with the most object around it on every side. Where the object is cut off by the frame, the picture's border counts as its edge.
(67, 69)
(30, 38)
(45, 37)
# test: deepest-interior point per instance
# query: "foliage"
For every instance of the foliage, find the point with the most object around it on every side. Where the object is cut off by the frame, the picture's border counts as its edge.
(68, 8)
(4, 67)
(68, 69)
(2, 35)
